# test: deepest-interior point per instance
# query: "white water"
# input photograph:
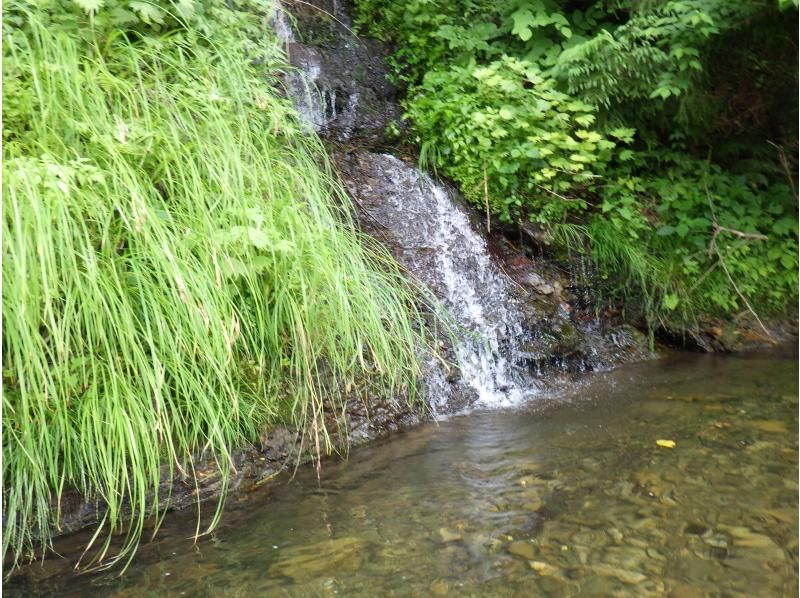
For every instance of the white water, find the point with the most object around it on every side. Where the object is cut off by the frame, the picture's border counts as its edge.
(447, 254)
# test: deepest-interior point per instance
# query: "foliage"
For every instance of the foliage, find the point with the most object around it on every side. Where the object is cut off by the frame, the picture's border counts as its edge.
(660, 134)
(179, 264)
(510, 137)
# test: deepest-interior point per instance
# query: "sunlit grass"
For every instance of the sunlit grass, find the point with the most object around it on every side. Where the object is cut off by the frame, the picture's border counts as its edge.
(179, 269)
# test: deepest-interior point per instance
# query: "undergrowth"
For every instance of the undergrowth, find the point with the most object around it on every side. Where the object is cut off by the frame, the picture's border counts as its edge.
(661, 134)
(179, 265)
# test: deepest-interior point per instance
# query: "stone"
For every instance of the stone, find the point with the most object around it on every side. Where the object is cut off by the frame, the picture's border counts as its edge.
(772, 426)
(448, 535)
(679, 589)
(439, 588)
(522, 549)
(626, 577)
(545, 569)
(615, 534)
(330, 556)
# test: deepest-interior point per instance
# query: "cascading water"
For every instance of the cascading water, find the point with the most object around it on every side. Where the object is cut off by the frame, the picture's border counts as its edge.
(315, 102)
(439, 245)
(509, 338)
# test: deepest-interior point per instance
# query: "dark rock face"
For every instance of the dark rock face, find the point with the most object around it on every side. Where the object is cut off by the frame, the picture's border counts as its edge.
(340, 86)
(353, 105)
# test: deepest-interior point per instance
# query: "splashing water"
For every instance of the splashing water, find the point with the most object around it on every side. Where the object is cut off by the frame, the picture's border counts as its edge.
(442, 249)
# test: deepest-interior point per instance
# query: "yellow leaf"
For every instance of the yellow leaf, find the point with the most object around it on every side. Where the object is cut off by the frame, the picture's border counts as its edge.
(666, 443)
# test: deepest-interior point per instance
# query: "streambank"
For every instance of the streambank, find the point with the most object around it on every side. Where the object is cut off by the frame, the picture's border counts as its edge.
(552, 333)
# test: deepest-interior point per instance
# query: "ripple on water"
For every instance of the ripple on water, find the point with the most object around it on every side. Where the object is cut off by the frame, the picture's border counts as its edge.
(574, 499)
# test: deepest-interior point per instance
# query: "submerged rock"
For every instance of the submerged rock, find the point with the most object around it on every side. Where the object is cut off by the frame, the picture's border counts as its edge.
(448, 536)
(625, 576)
(339, 555)
(543, 568)
(522, 549)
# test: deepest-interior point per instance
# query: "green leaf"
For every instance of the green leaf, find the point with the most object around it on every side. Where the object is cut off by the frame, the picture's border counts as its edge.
(149, 13)
(623, 133)
(258, 238)
(670, 301)
(523, 21)
(506, 114)
(185, 8)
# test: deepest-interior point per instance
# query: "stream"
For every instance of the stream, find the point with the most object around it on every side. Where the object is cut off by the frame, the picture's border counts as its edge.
(676, 477)
(569, 495)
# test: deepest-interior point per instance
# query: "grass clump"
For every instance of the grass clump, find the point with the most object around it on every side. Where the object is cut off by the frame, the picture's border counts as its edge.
(179, 265)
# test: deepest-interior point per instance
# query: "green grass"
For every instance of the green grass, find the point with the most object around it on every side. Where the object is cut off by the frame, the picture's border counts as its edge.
(179, 270)
(625, 272)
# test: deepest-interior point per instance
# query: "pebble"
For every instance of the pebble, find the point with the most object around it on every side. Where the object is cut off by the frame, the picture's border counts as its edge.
(770, 425)
(615, 534)
(447, 535)
(543, 568)
(627, 577)
(522, 549)
(439, 588)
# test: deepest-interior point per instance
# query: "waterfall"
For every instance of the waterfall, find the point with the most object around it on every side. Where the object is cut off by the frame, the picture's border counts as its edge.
(441, 248)
(432, 236)
(314, 99)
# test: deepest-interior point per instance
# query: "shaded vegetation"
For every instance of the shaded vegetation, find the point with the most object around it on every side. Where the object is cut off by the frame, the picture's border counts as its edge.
(179, 265)
(659, 137)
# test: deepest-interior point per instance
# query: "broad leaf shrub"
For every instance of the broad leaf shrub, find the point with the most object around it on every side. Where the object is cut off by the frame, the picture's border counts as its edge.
(657, 137)
(179, 265)
(511, 139)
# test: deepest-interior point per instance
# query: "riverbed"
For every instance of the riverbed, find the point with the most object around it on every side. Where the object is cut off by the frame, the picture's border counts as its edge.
(673, 477)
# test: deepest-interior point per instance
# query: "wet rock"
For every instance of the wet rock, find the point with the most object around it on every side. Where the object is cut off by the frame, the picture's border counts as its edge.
(327, 557)
(447, 535)
(534, 504)
(341, 86)
(679, 589)
(615, 535)
(770, 425)
(522, 549)
(626, 577)
(557, 532)
(590, 538)
(544, 569)
(439, 588)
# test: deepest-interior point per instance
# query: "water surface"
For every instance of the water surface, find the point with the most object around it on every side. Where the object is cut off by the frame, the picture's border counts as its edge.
(570, 496)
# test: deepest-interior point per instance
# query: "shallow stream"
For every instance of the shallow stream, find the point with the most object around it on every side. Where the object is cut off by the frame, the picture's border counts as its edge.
(569, 496)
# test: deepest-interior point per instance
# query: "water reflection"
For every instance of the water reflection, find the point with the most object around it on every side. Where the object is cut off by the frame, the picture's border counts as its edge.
(570, 497)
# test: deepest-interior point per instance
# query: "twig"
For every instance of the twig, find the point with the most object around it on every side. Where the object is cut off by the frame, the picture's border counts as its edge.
(785, 163)
(557, 194)
(712, 246)
(737, 233)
